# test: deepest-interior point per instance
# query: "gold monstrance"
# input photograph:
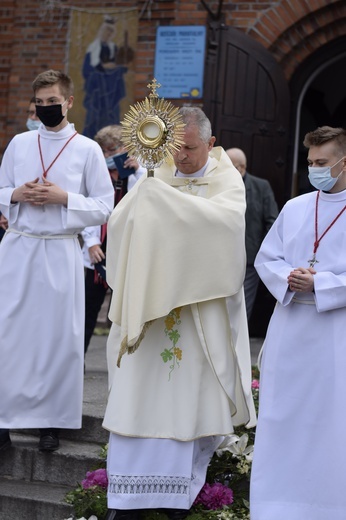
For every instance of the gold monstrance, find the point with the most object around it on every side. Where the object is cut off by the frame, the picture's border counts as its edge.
(153, 130)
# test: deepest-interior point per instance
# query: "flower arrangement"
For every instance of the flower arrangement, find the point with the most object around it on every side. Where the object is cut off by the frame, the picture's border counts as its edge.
(224, 496)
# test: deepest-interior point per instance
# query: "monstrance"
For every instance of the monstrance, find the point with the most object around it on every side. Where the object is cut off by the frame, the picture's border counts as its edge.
(153, 130)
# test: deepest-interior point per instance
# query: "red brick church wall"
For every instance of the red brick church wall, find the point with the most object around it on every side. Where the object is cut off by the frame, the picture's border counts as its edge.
(33, 38)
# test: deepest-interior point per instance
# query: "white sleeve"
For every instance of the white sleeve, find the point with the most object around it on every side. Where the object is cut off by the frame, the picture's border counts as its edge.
(271, 265)
(91, 236)
(135, 177)
(330, 291)
(95, 200)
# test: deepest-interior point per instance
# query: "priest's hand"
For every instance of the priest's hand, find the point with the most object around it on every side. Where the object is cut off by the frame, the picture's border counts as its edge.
(301, 279)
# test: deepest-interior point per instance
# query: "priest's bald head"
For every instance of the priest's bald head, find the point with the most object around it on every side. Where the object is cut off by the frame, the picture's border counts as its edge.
(238, 159)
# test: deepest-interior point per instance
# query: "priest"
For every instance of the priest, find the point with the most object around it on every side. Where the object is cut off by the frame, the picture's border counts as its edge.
(179, 374)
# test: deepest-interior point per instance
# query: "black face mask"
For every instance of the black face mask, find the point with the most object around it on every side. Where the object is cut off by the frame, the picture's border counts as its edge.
(50, 115)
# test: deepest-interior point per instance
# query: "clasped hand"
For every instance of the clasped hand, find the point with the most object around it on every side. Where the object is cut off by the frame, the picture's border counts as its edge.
(39, 194)
(301, 279)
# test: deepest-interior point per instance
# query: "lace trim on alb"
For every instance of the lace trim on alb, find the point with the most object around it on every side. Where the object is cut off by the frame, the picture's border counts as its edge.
(149, 484)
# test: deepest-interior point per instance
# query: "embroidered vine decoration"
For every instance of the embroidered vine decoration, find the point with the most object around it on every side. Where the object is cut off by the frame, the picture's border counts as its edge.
(173, 354)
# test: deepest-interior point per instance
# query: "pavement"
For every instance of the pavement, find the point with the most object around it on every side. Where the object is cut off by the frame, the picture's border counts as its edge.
(255, 348)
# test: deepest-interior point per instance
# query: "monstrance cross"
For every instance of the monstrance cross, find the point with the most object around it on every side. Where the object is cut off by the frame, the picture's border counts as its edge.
(153, 86)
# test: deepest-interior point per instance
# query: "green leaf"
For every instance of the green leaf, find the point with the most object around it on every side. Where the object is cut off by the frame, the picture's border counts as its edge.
(174, 336)
(166, 355)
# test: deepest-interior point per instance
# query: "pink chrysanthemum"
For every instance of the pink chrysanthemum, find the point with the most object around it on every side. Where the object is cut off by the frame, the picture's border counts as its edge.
(255, 384)
(214, 496)
(95, 478)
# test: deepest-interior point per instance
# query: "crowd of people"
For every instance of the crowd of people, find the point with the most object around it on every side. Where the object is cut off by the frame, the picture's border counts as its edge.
(182, 254)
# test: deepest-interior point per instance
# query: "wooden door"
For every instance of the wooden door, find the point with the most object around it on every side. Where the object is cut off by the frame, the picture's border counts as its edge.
(247, 100)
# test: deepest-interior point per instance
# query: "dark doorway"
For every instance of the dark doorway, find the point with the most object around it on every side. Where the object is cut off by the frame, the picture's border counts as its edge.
(318, 98)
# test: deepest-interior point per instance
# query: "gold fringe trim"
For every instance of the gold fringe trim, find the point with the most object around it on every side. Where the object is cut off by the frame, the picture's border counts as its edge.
(124, 347)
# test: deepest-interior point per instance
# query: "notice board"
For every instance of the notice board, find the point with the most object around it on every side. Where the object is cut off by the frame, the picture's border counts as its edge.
(179, 61)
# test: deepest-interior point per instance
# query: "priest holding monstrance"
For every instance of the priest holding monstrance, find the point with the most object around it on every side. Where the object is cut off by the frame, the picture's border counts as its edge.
(179, 366)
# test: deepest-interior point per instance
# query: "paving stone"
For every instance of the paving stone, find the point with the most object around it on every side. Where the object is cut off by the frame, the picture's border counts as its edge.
(20, 499)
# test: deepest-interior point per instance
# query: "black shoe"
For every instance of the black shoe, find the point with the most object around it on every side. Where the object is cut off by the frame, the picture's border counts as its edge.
(49, 439)
(122, 514)
(5, 440)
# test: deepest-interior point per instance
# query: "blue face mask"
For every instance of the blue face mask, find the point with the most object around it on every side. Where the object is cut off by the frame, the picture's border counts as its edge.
(31, 124)
(321, 177)
(110, 163)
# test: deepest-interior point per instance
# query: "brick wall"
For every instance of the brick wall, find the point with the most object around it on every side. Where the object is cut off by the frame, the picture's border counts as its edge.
(293, 29)
(33, 38)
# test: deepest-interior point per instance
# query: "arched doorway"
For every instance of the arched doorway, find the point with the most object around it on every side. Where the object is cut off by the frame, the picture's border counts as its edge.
(318, 98)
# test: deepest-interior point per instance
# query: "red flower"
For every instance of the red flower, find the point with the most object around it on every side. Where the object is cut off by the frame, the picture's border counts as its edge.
(95, 478)
(214, 496)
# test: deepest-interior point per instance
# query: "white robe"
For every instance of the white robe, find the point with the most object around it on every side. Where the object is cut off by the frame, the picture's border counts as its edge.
(167, 248)
(298, 471)
(42, 279)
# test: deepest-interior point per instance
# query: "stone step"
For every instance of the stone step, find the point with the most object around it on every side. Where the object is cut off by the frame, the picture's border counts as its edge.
(91, 431)
(67, 466)
(21, 499)
(33, 484)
